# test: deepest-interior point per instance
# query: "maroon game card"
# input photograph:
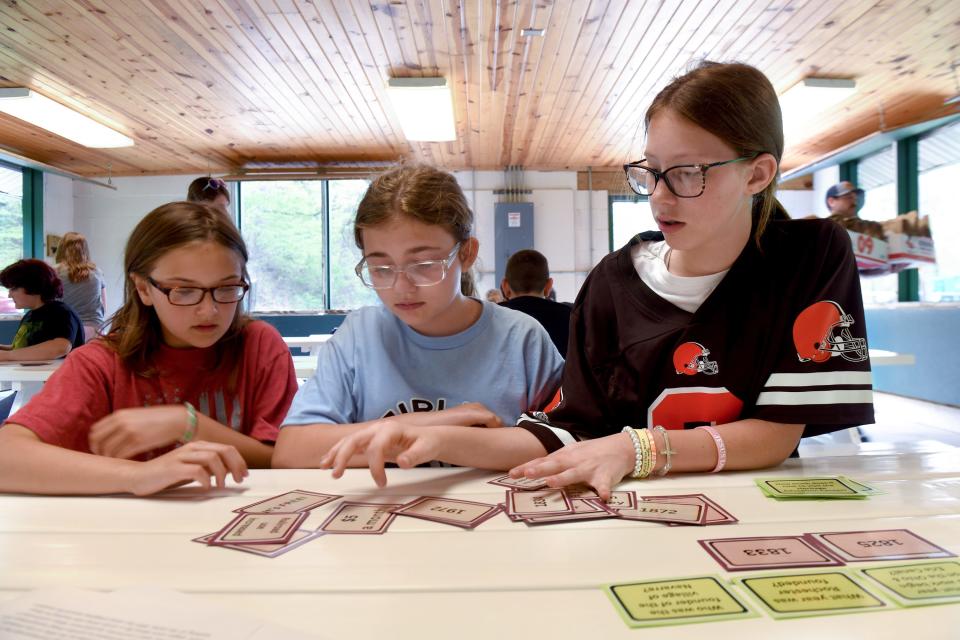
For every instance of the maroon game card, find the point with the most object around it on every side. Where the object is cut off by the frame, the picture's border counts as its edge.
(256, 528)
(460, 513)
(295, 501)
(767, 552)
(882, 544)
(362, 518)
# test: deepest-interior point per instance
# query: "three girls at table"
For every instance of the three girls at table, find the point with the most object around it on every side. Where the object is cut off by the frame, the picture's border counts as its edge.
(714, 343)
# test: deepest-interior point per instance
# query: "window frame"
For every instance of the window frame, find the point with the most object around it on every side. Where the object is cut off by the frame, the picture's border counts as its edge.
(237, 189)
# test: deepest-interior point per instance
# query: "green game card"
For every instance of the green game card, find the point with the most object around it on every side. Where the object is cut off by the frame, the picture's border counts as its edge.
(810, 594)
(832, 487)
(656, 603)
(919, 583)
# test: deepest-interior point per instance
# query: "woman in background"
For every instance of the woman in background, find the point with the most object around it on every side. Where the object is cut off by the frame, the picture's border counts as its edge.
(210, 190)
(82, 282)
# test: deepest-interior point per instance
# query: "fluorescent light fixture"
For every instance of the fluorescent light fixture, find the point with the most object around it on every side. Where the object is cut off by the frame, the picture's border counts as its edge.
(424, 107)
(43, 112)
(810, 97)
(532, 31)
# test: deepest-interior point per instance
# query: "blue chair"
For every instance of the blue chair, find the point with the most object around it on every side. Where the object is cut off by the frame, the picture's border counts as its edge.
(6, 404)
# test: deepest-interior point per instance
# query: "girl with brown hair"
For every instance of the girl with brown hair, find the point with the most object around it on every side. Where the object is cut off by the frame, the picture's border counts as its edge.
(83, 287)
(400, 382)
(720, 339)
(210, 190)
(181, 387)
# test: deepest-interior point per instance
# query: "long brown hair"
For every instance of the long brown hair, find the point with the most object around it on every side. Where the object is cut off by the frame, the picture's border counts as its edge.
(135, 332)
(423, 193)
(74, 253)
(736, 103)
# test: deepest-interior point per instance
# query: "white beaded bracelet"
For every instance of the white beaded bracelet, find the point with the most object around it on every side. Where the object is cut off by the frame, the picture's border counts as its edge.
(637, 452)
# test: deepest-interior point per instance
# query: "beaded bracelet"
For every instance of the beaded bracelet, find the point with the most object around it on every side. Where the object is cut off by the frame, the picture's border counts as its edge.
(721, 448)
(191, 431)
(667, 451)
(637, 452)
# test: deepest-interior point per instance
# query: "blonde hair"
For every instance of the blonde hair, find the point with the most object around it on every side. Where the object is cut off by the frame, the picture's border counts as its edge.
(421, 192)
(73, 252)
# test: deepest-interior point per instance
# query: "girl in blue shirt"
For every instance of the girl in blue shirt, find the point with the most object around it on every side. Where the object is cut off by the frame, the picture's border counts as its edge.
(404, 382)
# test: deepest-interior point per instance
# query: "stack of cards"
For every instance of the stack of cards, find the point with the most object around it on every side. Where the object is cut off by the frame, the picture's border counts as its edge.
(270, 527)
(823, 487)
(573, 503)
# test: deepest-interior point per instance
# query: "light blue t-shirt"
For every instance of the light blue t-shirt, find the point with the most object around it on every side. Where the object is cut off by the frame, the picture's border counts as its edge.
(375, 366)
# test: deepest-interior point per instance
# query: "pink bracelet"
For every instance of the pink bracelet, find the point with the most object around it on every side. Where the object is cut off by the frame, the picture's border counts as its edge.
(721, 448)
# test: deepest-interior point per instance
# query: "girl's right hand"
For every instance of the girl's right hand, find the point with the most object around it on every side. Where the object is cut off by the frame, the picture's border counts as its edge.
(600, 463)
(193, 462)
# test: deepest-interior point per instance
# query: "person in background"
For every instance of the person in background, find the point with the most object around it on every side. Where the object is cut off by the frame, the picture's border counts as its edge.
(844, 200)
(49, 329)
(210, 190)
(526, 286)
(82, 282)
(183, 386)
(494, 296)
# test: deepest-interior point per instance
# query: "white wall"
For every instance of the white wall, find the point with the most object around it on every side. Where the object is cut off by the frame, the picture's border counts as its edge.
(823, 180)
(799, 204)
(58, 209)
(570, 237)
(565, 230)
(106, 217)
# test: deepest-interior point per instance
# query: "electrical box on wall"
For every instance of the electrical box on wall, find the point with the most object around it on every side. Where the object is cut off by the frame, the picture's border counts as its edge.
(514, 231)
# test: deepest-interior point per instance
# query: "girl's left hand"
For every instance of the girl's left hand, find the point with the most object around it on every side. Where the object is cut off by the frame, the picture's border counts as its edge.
(600, 463)
(384, 441)
(127, 433)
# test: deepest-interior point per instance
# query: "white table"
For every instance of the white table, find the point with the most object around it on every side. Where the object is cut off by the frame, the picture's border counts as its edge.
(26, 378)
(428, 580)
(307, 344)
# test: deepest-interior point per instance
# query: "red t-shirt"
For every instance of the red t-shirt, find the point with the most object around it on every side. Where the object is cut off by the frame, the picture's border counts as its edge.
(93, 383)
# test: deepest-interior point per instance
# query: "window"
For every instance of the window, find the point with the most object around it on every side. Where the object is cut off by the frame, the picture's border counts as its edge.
(285, 223)
(11, 224)
(346, 290)
(877, 176)
(939, 163)
(628, 217)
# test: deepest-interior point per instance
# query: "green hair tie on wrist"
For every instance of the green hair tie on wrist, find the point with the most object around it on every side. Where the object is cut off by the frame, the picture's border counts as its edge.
(191, 431)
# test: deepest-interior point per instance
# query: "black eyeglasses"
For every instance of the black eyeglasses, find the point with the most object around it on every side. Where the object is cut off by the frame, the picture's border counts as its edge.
(215, 183)
(425, 273)
(683, 180)
(190, 296)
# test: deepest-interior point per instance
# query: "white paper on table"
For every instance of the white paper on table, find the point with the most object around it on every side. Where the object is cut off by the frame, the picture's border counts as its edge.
(138, 613)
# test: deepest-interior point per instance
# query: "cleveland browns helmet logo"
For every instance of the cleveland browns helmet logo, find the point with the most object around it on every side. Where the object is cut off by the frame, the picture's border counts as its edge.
(690, 358)
(822, 331)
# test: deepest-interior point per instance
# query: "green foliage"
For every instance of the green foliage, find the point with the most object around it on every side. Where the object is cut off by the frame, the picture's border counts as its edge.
(283, 226)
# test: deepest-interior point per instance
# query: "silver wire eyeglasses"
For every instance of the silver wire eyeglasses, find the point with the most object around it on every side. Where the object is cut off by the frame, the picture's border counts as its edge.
(683, 180)
(425, 273)
(190, 296)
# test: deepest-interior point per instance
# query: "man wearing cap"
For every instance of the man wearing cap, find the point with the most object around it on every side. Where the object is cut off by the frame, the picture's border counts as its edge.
(844, 200)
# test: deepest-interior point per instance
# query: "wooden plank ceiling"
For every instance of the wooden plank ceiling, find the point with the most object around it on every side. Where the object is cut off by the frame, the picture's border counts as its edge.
(220, 85)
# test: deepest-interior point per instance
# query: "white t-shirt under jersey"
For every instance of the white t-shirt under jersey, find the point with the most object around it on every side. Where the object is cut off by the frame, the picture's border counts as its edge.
(688, 293)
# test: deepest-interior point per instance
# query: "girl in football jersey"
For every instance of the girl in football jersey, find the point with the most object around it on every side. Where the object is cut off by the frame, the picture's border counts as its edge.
(715, 342)
(404, 381)
(182, 387)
